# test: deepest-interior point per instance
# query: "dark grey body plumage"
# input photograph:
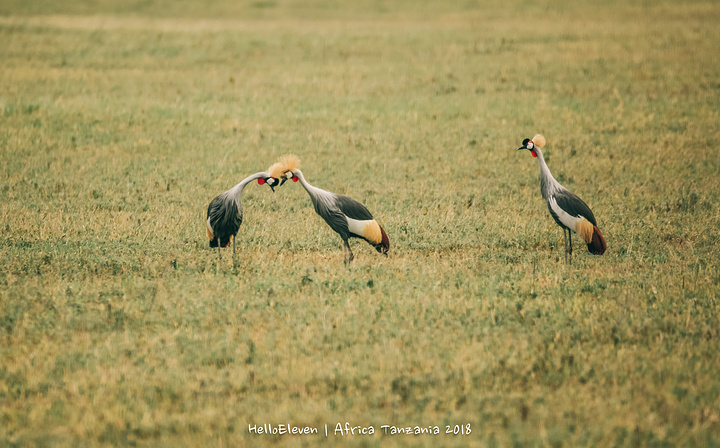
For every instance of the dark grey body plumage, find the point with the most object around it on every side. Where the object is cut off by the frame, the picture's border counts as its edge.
(336, 210)
(568, 211)
(225, 216)
(571, 204)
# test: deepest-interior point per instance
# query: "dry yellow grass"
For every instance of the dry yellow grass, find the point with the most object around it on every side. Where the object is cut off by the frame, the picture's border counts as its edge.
(121, 121)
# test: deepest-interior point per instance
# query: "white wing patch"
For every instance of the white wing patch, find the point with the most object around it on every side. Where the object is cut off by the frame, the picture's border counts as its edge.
(210, 231)
(571, 222)
(357, 227)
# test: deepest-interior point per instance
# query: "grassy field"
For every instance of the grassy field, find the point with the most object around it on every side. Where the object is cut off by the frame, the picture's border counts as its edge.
(120, 121)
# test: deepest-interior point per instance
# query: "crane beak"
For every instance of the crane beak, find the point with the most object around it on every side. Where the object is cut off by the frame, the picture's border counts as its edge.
(522, 147)
(288, 175)
(282, 181)
(271, 182)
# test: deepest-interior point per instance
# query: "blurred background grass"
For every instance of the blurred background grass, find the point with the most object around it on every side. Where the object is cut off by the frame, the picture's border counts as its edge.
(122, 120)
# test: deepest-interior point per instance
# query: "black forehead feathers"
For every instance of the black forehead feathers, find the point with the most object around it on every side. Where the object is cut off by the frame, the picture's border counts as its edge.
(526, 141)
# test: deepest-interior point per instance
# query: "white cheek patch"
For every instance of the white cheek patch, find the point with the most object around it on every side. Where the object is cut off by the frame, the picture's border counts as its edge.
(530, 145)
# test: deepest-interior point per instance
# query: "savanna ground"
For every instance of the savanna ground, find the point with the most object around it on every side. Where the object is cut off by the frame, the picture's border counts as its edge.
(120, 121)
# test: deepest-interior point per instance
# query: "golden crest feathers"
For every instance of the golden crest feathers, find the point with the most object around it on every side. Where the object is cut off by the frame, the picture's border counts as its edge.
(290, 162)
(276, 170)
(539, 140)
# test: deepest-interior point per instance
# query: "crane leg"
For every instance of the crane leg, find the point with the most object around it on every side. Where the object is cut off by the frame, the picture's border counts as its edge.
(565, 242)
(348, 253)
(219, 254)
(233, 250)
(570, 245)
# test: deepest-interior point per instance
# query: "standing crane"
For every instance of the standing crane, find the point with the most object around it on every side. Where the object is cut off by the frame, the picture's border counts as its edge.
(568, 210)
(224, 214)
(344, 215)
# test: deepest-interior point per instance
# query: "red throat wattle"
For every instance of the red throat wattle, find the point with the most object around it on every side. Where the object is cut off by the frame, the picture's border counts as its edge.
(261, 181)
(295, 179)
(534, 154)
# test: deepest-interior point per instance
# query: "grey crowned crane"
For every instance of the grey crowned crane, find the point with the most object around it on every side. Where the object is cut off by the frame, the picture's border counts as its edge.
(568, 210)
(224, 215)
(346, 216)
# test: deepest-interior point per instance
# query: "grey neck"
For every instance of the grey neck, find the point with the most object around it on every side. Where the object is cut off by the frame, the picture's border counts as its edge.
(316, 194)
(237, 190)
(309, 188)
(548, 184)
